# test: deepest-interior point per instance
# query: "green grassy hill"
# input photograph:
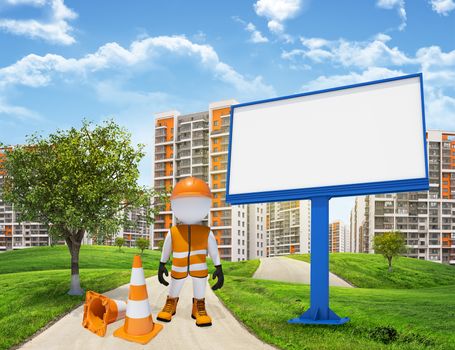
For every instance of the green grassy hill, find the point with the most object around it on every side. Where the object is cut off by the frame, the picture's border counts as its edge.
(58, 258)
(370, 271)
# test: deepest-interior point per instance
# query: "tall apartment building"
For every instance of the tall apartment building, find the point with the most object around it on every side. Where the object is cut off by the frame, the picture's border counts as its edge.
(140, 229)
(337, 237)
(288, 227)
(130, 233)
(427, 219)
(197, 145)
(15, 234)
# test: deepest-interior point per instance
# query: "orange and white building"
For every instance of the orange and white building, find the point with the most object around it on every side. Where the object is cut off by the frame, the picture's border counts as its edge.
(13, 233)
(18, 235)
(427, 219)
(338, 232)
(197, 145)
(288, 227)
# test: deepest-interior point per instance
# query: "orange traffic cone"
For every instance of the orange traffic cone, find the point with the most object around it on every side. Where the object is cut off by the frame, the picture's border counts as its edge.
(99, 311)
(139, 326)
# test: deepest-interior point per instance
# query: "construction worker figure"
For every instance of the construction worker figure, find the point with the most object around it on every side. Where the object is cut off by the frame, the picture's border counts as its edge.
(189, 243)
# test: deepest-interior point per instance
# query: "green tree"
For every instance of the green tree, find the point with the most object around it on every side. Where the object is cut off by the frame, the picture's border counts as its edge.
(78, 181)
(142, 244)
(390, 245)
(119, 242)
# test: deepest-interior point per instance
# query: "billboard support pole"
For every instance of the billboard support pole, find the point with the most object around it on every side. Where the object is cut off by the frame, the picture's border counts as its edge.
(319, 311)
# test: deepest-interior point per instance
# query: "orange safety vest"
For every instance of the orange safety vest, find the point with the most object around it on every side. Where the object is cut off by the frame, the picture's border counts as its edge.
(189, 251)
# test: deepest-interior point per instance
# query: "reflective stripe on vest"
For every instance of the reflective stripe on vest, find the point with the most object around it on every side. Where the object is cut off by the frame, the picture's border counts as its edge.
(189, 250)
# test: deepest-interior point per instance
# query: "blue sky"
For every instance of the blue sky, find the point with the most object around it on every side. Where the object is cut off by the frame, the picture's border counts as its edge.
(61, 61)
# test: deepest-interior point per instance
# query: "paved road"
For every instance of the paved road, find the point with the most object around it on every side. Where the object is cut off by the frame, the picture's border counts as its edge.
(291, 270)
(181, 333)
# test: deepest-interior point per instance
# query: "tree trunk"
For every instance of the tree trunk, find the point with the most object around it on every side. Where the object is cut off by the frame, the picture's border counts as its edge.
(74, 241)
(389, 258)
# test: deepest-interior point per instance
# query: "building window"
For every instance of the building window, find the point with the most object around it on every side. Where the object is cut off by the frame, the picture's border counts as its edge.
(215, 123)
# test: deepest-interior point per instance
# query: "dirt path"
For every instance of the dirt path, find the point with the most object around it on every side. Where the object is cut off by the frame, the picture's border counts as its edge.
(181, 333)
(291, 270)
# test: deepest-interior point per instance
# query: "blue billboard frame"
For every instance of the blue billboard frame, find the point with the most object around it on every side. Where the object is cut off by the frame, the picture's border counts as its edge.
(355, 189)
(319, 312)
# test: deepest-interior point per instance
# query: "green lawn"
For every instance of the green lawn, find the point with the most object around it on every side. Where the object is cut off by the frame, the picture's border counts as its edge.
(419, 318)
(34, 282)
(33, 285)
(370, 271)
(58, 257)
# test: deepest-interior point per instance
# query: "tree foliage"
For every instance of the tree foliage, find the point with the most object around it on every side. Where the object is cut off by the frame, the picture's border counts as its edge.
(142, 243)
(78, 181)
(119, 242)
(390, 245)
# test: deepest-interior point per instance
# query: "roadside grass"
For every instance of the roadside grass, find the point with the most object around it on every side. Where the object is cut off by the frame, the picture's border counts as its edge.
(242, 268)
(370, 271)
(30, 300)
(34, 283)
(380, 318)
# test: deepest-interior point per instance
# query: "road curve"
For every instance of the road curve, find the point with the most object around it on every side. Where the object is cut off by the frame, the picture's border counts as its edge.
(291, 270)
(182, 333)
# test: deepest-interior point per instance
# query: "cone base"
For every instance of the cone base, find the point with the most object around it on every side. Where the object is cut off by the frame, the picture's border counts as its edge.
(141, 339)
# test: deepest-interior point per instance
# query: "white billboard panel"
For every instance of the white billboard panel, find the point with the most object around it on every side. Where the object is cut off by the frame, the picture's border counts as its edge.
(366, 138)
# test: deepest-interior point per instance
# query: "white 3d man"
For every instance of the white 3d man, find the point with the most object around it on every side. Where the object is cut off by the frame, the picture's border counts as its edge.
(189, 243)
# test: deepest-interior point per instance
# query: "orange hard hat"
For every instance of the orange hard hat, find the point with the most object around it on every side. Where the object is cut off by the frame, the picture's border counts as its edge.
(191, 187)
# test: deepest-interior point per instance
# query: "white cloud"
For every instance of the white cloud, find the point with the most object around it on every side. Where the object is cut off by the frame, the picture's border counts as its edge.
(277, 12)
(443, 7)
(433, 56)
(350, 53)
(16, 112)
(56, 30)
(399, 5)
(372, 73)
(440, 108)
(275, 26)
(34, 70)
(256, 35)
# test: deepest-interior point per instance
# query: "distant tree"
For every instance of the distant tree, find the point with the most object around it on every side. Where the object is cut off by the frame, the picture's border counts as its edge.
(119, 242)
(142, 244)
(77, 181)
(390, 244)
(160, 245)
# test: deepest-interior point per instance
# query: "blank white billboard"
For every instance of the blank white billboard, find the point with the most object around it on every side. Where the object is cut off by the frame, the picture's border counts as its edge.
(367, 138)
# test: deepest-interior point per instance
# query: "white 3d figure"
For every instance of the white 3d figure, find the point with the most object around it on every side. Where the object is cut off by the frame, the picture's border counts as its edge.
(189, 244)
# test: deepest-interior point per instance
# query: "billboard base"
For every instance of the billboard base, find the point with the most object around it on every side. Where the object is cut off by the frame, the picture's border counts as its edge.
(320, 317)
(319, 312)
